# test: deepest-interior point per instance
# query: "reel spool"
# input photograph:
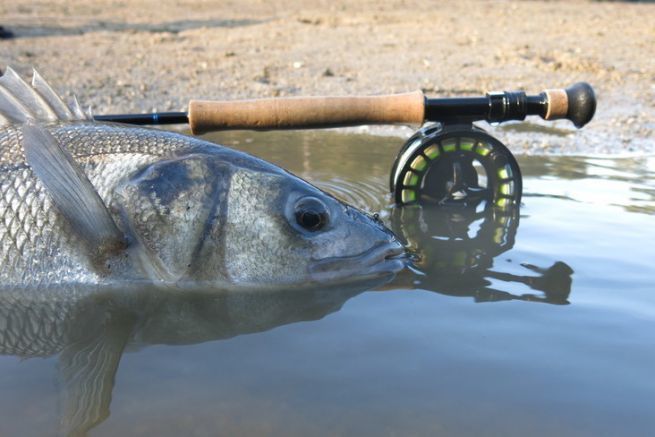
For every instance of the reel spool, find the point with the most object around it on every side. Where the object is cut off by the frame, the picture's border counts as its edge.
(455, 164)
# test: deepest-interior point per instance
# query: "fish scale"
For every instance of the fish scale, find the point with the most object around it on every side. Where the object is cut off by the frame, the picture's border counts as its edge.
(29, 330)
(107, 154)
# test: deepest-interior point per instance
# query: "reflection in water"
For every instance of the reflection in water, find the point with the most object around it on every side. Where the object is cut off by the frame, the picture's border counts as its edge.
(625, 182)
(455, 249)
(90, 331)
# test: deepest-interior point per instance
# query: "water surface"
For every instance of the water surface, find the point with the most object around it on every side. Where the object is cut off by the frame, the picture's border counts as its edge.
(539, 322)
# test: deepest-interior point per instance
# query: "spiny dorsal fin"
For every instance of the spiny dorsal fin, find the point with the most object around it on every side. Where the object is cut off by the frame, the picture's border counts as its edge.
(20, 102)
(72, 192)
(77, 109)
(40, 85)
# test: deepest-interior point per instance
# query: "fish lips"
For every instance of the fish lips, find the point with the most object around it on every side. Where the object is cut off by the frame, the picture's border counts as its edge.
(384, 259)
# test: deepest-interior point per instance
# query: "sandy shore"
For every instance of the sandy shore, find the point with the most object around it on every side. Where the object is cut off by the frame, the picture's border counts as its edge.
(120, 56)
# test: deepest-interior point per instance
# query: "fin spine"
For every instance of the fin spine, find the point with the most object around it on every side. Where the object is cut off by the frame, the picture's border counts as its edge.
(21, 102)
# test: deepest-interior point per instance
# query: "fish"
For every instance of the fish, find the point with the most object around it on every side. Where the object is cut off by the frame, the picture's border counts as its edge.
(97, 204)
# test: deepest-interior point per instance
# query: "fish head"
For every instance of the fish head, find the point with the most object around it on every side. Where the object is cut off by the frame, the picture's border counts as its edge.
(280, 229)
(237, 221)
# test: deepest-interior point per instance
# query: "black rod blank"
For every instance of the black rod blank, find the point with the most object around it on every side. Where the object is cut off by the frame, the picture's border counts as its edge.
(146, 119)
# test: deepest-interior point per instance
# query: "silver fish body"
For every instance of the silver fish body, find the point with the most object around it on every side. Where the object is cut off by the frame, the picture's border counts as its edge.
(87, 203)
(192, 213)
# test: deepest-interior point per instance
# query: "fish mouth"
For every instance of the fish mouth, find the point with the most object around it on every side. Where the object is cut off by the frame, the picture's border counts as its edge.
(383, 259)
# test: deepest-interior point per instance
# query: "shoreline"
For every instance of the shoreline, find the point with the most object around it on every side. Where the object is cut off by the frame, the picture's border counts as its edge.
(144, 57)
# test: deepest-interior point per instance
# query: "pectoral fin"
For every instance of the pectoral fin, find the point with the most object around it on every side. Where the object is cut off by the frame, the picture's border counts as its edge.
(71, 192)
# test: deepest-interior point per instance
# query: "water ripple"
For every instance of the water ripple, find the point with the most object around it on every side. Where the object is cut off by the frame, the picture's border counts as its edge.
(369, 193)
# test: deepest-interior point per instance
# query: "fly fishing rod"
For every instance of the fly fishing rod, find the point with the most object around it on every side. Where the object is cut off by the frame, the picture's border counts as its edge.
(452, 161)
(576, 103)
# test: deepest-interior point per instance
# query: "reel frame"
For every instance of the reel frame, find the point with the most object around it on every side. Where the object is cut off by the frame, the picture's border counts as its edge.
(450, 164)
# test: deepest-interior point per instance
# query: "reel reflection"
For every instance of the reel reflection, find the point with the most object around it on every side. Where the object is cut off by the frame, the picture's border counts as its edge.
(454, 247)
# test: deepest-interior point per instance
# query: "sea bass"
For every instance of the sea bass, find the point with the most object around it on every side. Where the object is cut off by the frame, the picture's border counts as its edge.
(83, 202)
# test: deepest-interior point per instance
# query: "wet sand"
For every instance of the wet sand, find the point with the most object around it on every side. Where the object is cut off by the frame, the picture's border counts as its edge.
(144, 55)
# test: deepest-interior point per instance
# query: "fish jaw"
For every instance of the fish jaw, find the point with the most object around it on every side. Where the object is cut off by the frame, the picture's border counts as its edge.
(383, 260)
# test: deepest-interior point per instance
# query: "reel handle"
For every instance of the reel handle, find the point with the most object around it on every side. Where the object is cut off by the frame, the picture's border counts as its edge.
(576, 103)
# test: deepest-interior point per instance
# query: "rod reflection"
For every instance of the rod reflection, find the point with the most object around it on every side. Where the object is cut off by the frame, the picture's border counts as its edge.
(455, 247)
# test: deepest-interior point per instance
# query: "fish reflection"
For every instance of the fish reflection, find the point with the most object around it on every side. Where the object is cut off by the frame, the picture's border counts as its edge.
(455, 247)
(90, 331)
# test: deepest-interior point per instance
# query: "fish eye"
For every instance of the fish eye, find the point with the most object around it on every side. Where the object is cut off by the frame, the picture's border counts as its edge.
(311, 214)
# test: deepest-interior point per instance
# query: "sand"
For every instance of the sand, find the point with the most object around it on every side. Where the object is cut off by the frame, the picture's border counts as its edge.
(143, 55)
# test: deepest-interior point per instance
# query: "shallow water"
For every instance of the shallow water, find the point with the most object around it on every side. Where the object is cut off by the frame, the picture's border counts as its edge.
(539, 323)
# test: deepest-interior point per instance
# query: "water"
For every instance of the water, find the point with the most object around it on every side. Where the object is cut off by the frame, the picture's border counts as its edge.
(539, 323)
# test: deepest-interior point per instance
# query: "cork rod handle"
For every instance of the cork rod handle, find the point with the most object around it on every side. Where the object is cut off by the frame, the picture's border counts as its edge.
(306, 112)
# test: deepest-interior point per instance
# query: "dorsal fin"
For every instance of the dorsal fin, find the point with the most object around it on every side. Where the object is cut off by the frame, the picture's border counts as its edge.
(21, 102)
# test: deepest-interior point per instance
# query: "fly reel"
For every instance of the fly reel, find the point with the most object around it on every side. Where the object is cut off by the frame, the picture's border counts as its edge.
(455, 164)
